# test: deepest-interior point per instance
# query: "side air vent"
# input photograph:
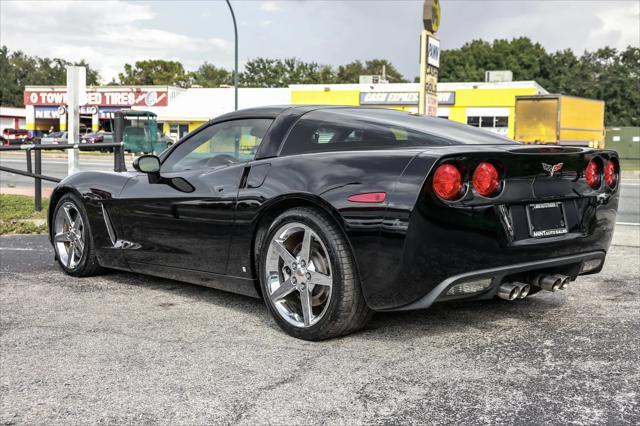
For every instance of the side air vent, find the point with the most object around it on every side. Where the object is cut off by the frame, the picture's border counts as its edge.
(109, 225)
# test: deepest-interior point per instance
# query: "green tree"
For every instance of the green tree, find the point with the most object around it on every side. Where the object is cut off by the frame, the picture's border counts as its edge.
(266, 72)
(10, 88)
(470, 62)
(18, 70)
(606, 74)
(208, 75)
(351, 72)
(616, 80)
(154, 72)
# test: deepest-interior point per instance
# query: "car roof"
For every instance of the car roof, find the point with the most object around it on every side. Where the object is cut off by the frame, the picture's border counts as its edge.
(273, 111)
(269, 111)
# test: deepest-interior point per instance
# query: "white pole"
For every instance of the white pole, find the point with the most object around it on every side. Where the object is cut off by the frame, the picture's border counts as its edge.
(76, 91)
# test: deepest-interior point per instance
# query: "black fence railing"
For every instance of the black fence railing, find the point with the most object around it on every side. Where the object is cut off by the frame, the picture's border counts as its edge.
(34, 163)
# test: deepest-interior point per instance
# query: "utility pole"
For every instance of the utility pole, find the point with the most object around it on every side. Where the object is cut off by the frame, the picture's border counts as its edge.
(76, 95)
(235, 74)
(429, 59)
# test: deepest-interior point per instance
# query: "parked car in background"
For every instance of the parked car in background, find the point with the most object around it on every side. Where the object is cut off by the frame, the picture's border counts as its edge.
(98, 137)
(15, 136)
(55, 138)
(163, 138)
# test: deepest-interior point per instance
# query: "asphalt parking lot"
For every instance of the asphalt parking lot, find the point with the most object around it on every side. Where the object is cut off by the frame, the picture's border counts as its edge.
(122, 348)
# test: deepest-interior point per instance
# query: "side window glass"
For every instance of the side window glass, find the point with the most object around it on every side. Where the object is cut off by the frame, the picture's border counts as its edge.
(219, 145)
(323, 135)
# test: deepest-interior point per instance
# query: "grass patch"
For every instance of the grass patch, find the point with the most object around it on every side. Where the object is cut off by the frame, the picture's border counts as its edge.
(18, 216)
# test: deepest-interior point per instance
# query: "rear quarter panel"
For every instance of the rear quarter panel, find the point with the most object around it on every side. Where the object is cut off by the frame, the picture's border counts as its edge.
(327, 180)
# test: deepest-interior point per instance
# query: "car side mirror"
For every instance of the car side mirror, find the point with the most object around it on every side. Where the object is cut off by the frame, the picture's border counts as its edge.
(147, 164)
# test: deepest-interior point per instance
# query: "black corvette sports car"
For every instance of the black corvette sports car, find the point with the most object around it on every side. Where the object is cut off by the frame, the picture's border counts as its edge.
(332, 213)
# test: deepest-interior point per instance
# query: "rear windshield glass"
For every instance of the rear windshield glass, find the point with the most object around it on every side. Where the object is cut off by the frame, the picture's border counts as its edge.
(366, 128)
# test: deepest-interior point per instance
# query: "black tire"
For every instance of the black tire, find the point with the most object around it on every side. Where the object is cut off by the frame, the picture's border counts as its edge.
(88, 264)
(347, 310)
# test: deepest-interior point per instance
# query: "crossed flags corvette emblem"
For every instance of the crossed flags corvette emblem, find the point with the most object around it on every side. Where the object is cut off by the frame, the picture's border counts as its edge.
(552, 169)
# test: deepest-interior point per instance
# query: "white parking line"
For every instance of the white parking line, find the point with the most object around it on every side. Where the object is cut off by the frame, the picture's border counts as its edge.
(82, 163)
(628, 223)
(20, 249)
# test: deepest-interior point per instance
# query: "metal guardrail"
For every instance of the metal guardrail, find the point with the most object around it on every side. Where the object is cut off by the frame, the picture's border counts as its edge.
(34, 170)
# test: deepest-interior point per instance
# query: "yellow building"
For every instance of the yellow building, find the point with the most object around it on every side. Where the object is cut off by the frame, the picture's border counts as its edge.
(487, 105)
(180, 111)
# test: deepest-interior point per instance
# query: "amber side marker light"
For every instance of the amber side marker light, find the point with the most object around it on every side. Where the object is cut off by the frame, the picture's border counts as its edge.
(369, 197)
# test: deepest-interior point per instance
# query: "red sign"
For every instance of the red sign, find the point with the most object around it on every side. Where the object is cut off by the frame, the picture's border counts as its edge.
(151, 98)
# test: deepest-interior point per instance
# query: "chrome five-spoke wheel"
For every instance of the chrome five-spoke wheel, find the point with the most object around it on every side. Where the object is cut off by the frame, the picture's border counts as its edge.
(298, 275)
(68, 238)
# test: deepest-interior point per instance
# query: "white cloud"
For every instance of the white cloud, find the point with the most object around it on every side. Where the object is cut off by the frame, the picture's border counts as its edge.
(109, 34)
(622, 23)
(270, 6)
(557, 25)
(79, 30)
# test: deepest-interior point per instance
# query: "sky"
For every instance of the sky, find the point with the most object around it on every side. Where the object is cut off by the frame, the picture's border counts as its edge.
(110, 33)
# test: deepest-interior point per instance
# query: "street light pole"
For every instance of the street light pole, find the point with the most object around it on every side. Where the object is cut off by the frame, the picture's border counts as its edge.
(235, 75)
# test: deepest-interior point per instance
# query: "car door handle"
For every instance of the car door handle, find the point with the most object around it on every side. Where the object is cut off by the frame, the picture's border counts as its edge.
(219, 188)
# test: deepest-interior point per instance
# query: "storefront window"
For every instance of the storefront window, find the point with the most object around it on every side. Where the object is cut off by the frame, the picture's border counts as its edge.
(487, 121)
(496, 124)
(502, 122)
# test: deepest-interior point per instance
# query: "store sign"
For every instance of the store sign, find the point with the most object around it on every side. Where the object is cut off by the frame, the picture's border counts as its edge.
(433, 52)
(388, 98)
(151, 98)
(404, 98)
(52, 112)
(432, 105)
(431, 15)
(446, 98)
(48, 112)
(431, 80)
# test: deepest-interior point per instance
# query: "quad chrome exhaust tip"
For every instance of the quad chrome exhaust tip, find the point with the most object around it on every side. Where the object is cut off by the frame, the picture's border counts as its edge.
(524, 290)
(551, 282)
(513, 291)
(565, 281)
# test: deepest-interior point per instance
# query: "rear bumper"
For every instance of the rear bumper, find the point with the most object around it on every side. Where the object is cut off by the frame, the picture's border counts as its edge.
(497, 276)
(440, 243)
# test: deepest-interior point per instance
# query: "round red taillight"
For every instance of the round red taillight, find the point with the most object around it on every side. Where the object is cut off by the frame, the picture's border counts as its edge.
(592, 174)
(611, 173)
(447, 182)
(486, 179)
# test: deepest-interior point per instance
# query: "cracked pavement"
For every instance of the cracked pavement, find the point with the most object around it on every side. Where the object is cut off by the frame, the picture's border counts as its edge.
(123, 348)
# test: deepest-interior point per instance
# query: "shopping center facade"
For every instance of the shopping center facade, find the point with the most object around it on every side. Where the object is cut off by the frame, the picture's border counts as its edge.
(487, 105)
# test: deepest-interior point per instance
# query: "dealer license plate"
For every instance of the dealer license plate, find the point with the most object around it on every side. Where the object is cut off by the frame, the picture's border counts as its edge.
(546, 219)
